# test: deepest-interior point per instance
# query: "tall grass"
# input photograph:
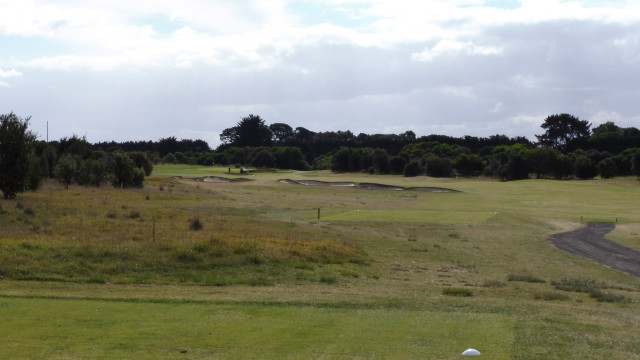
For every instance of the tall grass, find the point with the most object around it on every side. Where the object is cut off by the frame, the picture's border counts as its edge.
(116, 235)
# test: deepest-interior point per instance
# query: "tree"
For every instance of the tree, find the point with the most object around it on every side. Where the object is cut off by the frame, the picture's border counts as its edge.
(635, 164)
(17, 156)
(250, 131)
(412, 169)
(607, 168)
(437, 166)
(397, 165)
(123, 170)
(67, 169)
(281, 132)
(263, 158)
(564, 132)
(543, 161)
(142, 161)
(584, 168)
(468, 165)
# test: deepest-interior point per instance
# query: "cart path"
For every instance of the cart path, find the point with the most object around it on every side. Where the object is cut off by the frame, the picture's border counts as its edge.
(589, 242)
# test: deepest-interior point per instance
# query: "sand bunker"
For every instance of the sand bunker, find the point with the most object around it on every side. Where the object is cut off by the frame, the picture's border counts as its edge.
(365, 186)
(589, 242)
(212, 179)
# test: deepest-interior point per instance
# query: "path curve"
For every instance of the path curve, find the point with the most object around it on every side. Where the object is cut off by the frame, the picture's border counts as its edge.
(589, 242)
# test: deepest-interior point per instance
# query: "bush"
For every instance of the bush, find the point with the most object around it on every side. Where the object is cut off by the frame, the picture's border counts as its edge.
(457, 292)
(584, 168)
(602, 296)
(607, 168)
(578, 285)
(412, 169)
(524, 278)
(142, 161)
(551, 296)
(196, 224)
(438, 166)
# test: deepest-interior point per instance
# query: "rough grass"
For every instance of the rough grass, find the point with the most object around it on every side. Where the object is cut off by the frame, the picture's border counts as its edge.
(110, 235)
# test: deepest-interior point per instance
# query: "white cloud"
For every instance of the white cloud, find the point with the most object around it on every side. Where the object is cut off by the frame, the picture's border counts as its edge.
(10, 73)
(423, 65)
(455, 48)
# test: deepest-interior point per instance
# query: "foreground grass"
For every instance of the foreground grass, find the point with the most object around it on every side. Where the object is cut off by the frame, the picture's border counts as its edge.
(107, 330)
(471, 269)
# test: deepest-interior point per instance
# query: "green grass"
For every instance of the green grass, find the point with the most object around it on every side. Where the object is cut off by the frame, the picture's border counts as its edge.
(262, 277)
(95, 329)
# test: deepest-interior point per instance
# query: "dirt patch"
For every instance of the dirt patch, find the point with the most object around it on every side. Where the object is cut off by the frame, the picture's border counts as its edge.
(365, 186)
(589, 242)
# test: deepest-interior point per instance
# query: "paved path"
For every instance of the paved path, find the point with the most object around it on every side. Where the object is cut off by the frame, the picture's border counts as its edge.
(589, 242)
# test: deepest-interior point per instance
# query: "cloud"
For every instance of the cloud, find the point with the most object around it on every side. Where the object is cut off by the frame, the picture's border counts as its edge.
(196, 66)
(9, 73)
(455, 48)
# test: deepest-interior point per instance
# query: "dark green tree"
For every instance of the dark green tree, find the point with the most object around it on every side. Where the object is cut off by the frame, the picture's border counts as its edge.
(250, 131)
(543, 161)
(607, 168)
(381, 161)
(437, 166)
(584, 168)
(122, 170)
(564, 132)
(67, 169)
(468, 164)
(17, 156)
(281, 133)
(412, 169)
(142, 161)
(263, 158)
(635, 164)
(397, 165)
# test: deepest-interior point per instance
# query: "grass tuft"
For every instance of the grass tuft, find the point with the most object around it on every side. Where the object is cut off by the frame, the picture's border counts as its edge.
(551, 296)
(611, 297)
(525, 278)
(457, 292)
(195, 224)
(581, 285)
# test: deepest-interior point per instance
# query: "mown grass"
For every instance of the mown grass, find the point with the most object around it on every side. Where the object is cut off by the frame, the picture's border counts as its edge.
(365, 289)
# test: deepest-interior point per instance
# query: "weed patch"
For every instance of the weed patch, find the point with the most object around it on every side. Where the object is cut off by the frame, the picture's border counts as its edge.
(551, 296)
(457, 292)
(581, 285)
(525, 278)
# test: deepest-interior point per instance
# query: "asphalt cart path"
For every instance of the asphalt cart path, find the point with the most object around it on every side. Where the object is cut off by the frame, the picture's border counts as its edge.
(590, 242)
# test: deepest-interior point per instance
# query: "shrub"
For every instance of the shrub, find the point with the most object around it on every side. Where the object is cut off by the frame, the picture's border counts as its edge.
(494, 283)
(142, 161)
(524, 278)
(196, 224)
(551, 296)
(602, 296)
(412, 169)
(578, 285)
(133, 214)
(457, 292)
(438, 166)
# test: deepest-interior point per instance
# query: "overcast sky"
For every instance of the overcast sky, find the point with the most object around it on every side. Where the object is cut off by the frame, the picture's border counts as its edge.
(143, 70)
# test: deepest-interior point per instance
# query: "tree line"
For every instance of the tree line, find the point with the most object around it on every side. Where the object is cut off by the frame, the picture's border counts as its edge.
(25, 161)
(567, 148)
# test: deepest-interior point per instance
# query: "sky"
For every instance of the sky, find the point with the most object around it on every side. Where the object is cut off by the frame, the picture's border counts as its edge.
(144, 70)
